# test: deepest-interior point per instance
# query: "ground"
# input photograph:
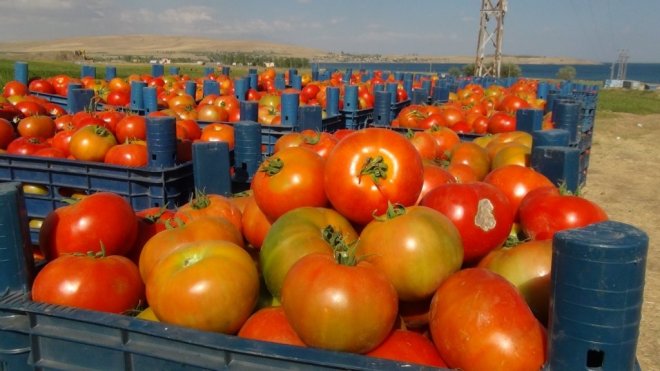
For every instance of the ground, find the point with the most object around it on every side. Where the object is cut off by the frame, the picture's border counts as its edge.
(624, 178)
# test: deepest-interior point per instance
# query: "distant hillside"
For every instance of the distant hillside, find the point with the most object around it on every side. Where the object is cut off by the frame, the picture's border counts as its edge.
(196, 48)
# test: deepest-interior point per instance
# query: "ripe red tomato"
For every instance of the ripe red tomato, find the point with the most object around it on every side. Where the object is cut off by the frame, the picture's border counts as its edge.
(545, 211)
(479, 321)
(118, 98)
(445, 138)
(291, 178)
(416, 247)
(61, 141)
(255, 223)
(41, 86)
(339, 304)
(100, 221)
(150, 221)
(7, 133)
(472, 155)
(425, 144)
(434, 176)
(370, 168)
(270, 324)
(501, 122)
(218, 132)
(409, 347)
(214, 205)
(131, 127)
(481, 212)
(26, 145)
(209, 285)
(193, 131)
(526, 266)
(127, 154)
(14, 88)
(36, 126)
(31, 108)
(91, 143)
(103, 283)
(211, 113)
(300, 232)
(50, 152)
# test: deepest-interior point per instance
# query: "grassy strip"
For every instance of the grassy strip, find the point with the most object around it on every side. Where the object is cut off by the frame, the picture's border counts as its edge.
(629, 101)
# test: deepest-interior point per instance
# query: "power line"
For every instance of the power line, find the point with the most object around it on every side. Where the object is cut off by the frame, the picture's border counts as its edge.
(490, 37)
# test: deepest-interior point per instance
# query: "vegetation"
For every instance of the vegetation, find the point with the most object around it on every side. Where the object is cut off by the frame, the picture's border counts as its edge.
(506, 69)
(252, 59)
(629, 101)
(567, 73)
(454, 71)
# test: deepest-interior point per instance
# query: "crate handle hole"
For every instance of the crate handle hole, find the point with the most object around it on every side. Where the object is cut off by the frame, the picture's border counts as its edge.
(595, 359)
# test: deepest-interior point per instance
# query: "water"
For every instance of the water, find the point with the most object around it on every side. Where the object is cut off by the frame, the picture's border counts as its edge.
(645, 72)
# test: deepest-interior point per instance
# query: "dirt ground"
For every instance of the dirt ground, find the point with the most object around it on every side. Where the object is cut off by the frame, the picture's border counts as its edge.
(623, 177)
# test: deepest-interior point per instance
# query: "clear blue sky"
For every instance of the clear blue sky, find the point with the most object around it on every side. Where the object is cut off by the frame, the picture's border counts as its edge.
(588, 29)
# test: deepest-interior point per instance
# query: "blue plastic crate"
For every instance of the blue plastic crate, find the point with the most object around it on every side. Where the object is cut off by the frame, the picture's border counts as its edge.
(53, 98)
(142, 187)
(358, 119)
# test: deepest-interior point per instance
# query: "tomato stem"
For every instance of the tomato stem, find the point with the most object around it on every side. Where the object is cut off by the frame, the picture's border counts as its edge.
(376, 168)
(393, 211)
(344, 253)
(272, 166)
(200, 200)
(312, 139)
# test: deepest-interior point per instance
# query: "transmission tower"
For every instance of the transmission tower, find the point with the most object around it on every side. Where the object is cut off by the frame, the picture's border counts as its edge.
(623, 65)
(490, 36)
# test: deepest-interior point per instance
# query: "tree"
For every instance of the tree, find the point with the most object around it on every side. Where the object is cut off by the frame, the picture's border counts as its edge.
(567, 73)
(454, 71)
(506, 69)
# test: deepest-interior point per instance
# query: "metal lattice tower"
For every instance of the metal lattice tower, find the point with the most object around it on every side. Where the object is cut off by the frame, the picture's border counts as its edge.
(490, 11)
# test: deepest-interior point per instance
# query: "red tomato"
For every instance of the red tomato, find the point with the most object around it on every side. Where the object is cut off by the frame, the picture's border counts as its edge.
(291, 178)
(209, 285)
(100, 221)
(131, 127)
(434, 176)
(14, 88)
(409, 347)
(526, 266)
(118, 98)
(103, 283)
(26, 145)
(370, 168)
(211, 113)
(270, 324)
(255, 223)
(215, 205)
(111, 118)
(473, 155)
(150, 221)
(416, 248)
(479, 321)
(91, 143)
(30, 108)
(50, 152)
(193, 131)
(481, 212)
(218, 132)
(127, 154)
(445, 138)
(501, 122)
(61, 141)
(516, 182)
(7, 133)
(36, 126)
(545, 211)
(425, 144)
(341, 304)
(41, 86)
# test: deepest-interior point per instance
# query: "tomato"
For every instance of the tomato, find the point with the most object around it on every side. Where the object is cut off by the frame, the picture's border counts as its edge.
(451, 115)
(526, 266)
(127, 154)
(50, 152)
(270, 324)
(481, 212)
(218, 132)
(193, 131)
(425, 144)
(91, 143)
(61, 141)
(501, 122)
(270, 100)
(511, 103)
(512, 154)
(208, 285)
(434, 176)
(300, 232)
(291, 178)
(320, 142)
(183, 100)
(102, 283)
(102, 220)
(472, 155)
(30, 108)
(228, 102)
(7, 133)
(211, 113)
(255, 223)
(119, 84)
(416, 247)
(111, 118)
(41, 86)
(150, 221)
(479, 321)
(203, 204)
(370, 168)
(445, 139)
(14, 88)
(409, 347)
(36, 126)
(131, 127)
(412, 116)
(268, 115)
(545, 211)
(516, 182)
(338, 303)
(26, 145)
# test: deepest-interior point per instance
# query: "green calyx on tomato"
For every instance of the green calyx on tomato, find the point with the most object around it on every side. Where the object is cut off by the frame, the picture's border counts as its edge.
(393, 211)
(344, 253)
(272, 166)
(376, 168)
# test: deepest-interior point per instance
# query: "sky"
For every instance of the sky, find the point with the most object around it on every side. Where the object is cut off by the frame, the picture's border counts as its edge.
(595, 30)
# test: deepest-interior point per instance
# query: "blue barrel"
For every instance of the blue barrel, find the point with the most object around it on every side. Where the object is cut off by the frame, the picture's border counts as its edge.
(332, 101)
(110, 72)
(296, 81)
(550, 100)
(351, 98)
(292, 72)
(324, 75)
(315, 73)
(419, 96)
(552, 137)
(529, 119)
(280, 84)
(210, 87)
(78, 99)
(382, 108)
(289, 104)
(441, 93)
(21, 72)
(379, 87)
(347, 75)
(391, 87)
(240, 88)
(157, 70)
(407, 86)
(225, 70)
(252, 70)
(174, 70)
(426, 86)
(565, 115)
(559, 164)
(150, 97)
(208, 71)
(247, 150)
(191, 88)
(211, 167)
(310, 118)
(161, 141)
(249, 110)
(137, 100)
(254, 81)
(597, 286)
(88, 71)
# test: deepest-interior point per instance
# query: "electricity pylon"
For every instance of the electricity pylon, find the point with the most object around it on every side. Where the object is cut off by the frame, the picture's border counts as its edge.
(489, 36)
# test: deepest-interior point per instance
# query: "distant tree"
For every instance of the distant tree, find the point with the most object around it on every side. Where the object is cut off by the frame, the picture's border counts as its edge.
(506, 69)
(469, 69)
(567, 73)
(454, 71)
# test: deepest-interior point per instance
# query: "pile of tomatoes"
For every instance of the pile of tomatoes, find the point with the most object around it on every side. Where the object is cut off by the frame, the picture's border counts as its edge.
(372, 241)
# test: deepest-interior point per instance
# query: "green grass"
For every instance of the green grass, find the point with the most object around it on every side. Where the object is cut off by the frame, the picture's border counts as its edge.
(629, 101)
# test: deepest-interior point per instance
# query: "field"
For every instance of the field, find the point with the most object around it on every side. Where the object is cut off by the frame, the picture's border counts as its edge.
(623, 175)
